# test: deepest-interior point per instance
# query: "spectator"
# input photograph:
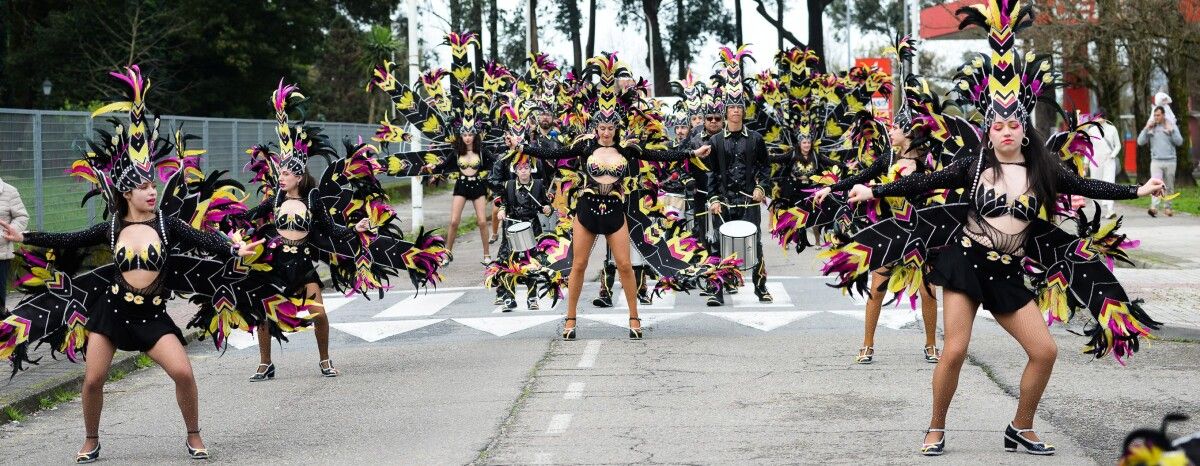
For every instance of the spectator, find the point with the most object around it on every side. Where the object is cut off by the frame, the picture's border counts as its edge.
(1106, 145)
(1163, 137)
(12, 210)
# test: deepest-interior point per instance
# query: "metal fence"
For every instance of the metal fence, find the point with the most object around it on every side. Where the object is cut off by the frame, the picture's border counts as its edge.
(36, 147)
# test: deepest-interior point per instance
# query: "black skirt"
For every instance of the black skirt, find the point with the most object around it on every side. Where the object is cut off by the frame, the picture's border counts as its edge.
(131, 320)
(600, 214)
(471, 188)
(991, 278)
(293, 264)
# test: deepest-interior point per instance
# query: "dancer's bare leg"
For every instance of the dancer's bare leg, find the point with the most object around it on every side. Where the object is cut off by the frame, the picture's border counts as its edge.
(1029, 329)
(958, 317)
(582, 241)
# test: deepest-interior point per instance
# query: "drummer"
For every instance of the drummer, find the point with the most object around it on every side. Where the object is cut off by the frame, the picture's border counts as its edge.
(520, 201)
(738, 184)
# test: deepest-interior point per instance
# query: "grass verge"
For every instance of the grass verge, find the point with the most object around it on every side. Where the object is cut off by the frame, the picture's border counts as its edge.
(1188, 200)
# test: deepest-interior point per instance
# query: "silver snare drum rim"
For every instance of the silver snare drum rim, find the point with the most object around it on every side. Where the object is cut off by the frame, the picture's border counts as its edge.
(740, 237)
(520, 236)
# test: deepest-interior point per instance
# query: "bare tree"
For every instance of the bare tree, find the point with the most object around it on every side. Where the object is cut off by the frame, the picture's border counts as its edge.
(591, 40)
(569, 23)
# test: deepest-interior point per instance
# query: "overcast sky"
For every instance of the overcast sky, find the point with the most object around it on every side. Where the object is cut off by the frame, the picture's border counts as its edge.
(631, 44)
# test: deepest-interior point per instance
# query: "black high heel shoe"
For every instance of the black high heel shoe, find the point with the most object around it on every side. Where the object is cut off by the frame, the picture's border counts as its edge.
(91, 456)
(635, 333)
(568, 333)
(264, 375)
(328, 371)
(934, 449)
(195, 453)
(1013, 437)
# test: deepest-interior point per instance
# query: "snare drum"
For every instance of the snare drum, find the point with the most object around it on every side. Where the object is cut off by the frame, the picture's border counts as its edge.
(740, 237)
(635, 256)
(520, 236)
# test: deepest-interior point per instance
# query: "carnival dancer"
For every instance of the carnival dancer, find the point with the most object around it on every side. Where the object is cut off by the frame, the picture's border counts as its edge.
(122, 305)
(904, 159)
(600, 207)
(305, 220)
(1000, 231)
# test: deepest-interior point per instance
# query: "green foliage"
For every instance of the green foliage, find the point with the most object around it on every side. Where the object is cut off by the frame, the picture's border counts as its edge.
(1188, 201)
(13, 414)
(205, 57)
(143, 361)
(117, 374)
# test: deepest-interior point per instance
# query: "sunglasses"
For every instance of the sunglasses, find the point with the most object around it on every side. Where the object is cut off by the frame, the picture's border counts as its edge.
(712, 118)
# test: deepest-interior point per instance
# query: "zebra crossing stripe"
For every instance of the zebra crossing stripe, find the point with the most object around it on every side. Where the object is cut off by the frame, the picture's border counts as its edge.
(374, 331)
(501, 326)
(420, 305)
(765, 320)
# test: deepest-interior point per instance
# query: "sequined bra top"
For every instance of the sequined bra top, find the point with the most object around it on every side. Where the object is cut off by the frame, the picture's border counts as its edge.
(151, 258)
(614, 168)
(991, 205)
(299, 221)
(469, 163)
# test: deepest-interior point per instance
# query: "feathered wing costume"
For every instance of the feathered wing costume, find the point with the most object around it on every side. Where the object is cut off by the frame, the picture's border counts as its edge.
(63, 305)
(346, 193)
(1068, 271)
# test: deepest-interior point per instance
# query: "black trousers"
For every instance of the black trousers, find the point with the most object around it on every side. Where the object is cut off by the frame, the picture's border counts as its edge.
(752, 215)
(506, 250)
(608, 275)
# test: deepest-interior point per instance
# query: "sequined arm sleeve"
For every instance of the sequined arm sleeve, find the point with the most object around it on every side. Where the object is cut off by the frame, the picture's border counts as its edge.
(212, 243)
(261, 210)
(1071, 183)
(323, 222)
(956, 175)
(555, 153)
(862, 176)
(652, 155)
(97, 234)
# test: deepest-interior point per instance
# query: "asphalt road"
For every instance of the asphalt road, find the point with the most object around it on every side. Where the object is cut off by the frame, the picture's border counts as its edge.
(444, 378)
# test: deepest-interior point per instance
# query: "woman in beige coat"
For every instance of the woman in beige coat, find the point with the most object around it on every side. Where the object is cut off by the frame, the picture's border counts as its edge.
(12, 210)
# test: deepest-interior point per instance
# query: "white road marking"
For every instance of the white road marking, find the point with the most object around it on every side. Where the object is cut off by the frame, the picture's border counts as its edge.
(419, 306)
(574, 391)
(589, 354)
(375, 331)
(747, 298)
(242, 340)
(501, 326)
(622, 320)
(559, 424)
(332, 303)
(766, 320)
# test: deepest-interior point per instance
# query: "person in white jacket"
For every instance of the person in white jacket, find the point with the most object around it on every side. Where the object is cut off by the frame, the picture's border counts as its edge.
(12, 211)
(1106, 151)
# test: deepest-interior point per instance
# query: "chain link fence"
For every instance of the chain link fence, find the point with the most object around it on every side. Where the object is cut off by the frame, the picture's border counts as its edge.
(37, 147)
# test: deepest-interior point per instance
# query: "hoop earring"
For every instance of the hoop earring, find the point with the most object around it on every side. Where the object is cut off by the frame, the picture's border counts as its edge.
(989, 144)
(1025, 141)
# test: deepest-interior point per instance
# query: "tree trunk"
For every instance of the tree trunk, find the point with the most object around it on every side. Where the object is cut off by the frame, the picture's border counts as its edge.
(591, 40)
(779, 16)
(476, 17)
(816, 31)
(651, 8)
(456, 19)
(494, 29)
(1139, 67)
(737, 22)
(533, 27)
(576, 41)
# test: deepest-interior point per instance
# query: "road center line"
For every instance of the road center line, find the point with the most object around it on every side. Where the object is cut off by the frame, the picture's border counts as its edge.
(574, 391)
(559, 424)
(589, 354)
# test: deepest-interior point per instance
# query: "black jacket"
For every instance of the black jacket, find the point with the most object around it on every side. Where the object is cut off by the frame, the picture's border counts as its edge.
(739, 163)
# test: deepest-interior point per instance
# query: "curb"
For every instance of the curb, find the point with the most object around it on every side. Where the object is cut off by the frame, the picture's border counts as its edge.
(28, 403)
